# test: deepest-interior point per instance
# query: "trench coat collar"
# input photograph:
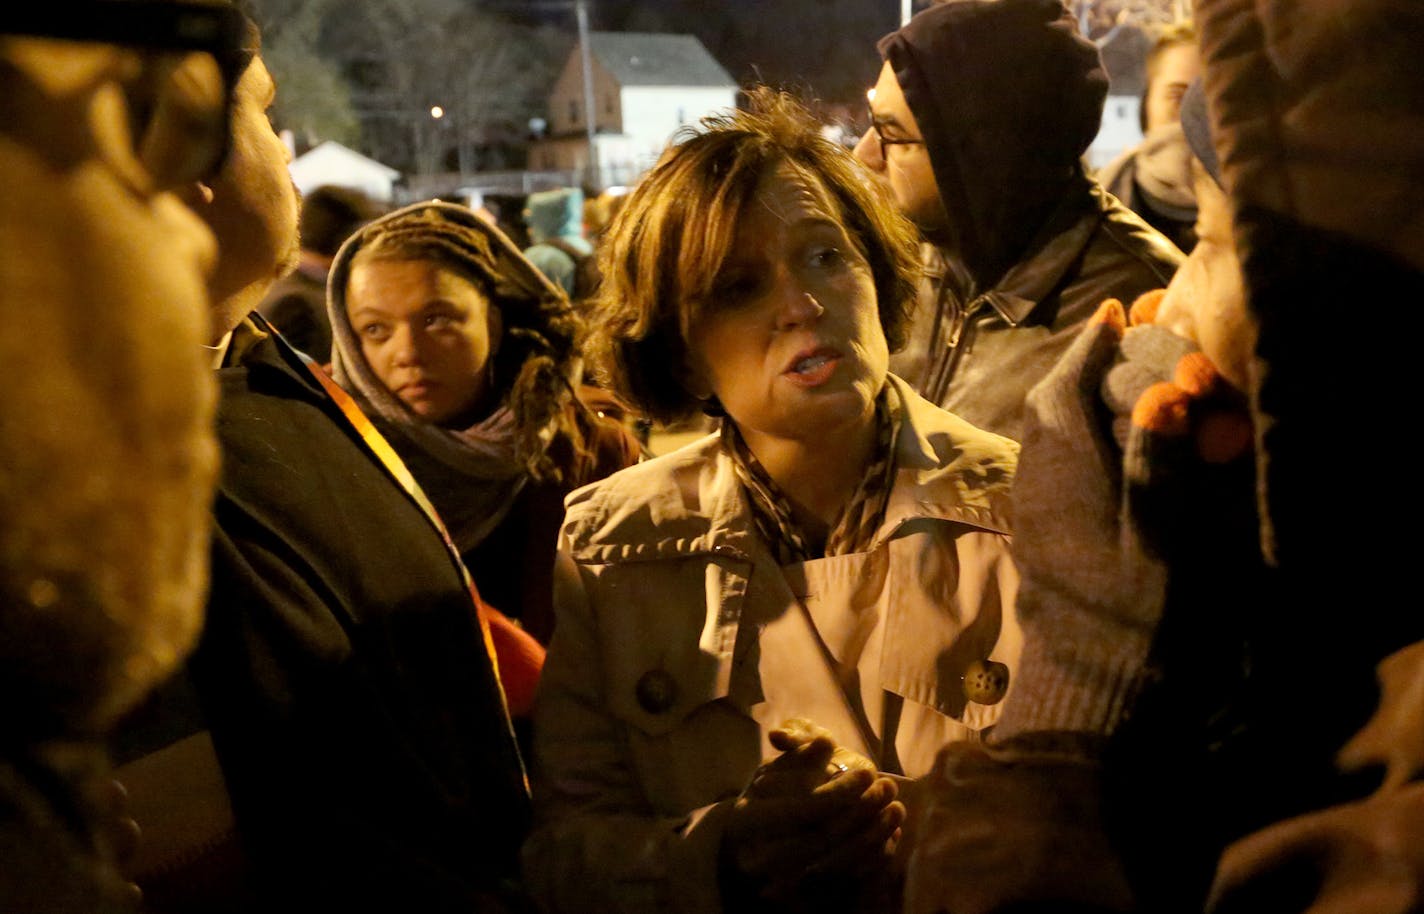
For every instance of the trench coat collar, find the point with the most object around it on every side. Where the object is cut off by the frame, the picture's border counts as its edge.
(690, 502)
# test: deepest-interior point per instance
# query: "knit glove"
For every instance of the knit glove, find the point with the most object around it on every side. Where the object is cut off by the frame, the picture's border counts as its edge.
(1089, 598)
(1175, 419)
(1127, 418)
(1112, 437)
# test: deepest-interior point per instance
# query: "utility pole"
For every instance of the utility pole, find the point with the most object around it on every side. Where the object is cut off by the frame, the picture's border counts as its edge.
(589, 111)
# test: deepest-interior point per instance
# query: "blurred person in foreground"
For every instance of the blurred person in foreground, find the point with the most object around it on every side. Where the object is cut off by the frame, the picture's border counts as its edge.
(466, 358)
(107, 457)
(345, 670)
(979, 122)
(296, 303)
(1154, 178)
(759, 632)
(1138, 541)
(1199, 646)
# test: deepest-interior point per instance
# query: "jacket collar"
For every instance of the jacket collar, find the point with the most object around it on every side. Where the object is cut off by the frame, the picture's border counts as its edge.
(1055, 249)
(691, 502)
(947, 469)
(257, 352)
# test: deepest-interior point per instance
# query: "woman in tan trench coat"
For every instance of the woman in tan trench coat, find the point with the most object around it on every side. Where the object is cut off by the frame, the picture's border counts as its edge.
(760, 634)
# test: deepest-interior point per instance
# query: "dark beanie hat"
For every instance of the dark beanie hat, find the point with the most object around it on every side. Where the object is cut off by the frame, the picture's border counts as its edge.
(1196, 124)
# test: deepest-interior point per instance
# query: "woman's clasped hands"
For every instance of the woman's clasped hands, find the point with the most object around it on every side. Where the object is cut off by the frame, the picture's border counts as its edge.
(816, 818)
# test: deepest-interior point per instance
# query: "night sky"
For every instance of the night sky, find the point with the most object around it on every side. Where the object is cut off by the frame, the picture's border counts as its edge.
(823, 48)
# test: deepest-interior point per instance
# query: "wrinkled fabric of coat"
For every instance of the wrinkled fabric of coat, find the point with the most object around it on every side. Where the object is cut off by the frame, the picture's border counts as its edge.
(667, 579)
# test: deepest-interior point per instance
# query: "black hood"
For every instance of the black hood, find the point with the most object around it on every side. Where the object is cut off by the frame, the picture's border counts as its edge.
(1007, 95)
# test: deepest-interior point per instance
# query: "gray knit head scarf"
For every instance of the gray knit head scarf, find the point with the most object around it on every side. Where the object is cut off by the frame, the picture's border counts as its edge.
(472, 475)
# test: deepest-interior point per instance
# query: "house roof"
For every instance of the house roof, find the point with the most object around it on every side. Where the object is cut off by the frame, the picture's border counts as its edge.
(332, 153)
(653, 59)
(332, 163)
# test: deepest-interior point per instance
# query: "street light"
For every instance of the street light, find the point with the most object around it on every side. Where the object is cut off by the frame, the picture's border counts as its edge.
(437, 112)
(589, 111)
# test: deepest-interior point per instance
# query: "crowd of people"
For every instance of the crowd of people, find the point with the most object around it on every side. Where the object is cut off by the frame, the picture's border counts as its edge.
(1012, 575)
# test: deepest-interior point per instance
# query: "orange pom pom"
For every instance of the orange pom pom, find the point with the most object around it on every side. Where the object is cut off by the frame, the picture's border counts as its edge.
(1112, 313)
(1144, 310)
(1196, 374)
(1162, 410)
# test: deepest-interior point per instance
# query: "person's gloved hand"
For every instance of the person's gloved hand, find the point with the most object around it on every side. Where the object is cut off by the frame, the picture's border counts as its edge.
(816, 813)
(1090, 599)
(1114, 436)
(1005, 826)
(1175, 417)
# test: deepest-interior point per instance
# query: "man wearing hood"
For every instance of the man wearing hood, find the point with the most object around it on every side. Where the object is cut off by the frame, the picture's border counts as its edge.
(555, 222)
(979, 119)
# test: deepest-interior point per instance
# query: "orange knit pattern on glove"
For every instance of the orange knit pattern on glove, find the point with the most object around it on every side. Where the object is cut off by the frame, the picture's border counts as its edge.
(1197, 400)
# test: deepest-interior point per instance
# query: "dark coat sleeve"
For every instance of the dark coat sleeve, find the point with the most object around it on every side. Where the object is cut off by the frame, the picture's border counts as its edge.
(343, 674)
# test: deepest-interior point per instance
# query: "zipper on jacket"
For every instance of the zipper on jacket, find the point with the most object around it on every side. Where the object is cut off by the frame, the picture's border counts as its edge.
(961, 321)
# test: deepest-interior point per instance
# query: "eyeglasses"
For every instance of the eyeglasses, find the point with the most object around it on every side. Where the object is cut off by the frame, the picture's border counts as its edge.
(169, 31)
(891, 140)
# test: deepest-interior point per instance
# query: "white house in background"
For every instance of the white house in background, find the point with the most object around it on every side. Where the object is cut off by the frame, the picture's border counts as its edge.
(1121, 127)
(645, 86)
(332, 163)
(1124, 54)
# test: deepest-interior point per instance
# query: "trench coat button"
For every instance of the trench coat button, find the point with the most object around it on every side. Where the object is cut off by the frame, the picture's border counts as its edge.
(986, 682)
(657, 691)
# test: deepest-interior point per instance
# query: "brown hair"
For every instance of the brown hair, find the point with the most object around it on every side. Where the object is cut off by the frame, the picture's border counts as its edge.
(539, 346)
(1179, 33)
(1168, 37)
(661, 255)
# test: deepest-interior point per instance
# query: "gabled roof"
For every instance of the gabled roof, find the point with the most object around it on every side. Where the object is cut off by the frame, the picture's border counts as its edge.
(332, 163)
(332, 153)
(652, 59)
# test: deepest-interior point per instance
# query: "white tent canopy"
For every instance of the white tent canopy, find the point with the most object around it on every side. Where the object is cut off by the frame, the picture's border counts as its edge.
(332, 163)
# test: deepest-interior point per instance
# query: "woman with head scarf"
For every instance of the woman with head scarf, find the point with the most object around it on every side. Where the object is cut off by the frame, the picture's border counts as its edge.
(465, 358)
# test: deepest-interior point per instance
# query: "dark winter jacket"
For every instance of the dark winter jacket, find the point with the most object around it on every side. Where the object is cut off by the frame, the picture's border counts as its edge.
(342, 669)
